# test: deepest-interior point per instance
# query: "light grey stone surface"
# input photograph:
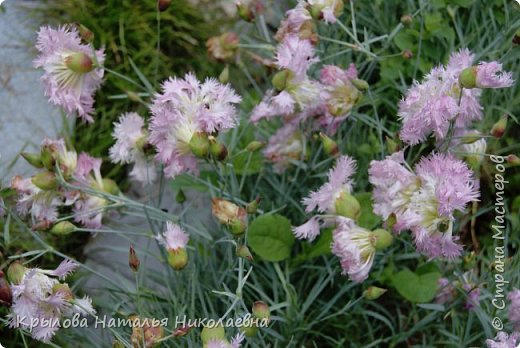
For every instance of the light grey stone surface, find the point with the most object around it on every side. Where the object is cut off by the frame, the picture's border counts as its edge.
(26, 117)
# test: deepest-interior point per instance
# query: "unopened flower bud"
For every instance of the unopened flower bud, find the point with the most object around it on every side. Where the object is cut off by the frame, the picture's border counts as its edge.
(63, 228)
(230, 214)
(79, 62)
(390, 222)
(117, 344)
(224, 75)
(348, 206)
(212, 334)
(33, 159)
(199, 144)
(254, 146)
(261, 310)
(178, 258)
(223, 47)
(513, 160)
(373, 293)
(180, 197)
(110, 186)
(244, 252)
(145, 335)
(245, 12)
(360, 84)
(15, 273)
(329, 146)
(468, 77)
(281, 79)
(381, 239)
(249, 331)
(252, 206)
(407, 54)
(499, 128)
(316, 9)
(218, 150)
(406, 19)
(85, 33)
(64, 290)
(6, 296)
(47, 158)
(516, 38)
(45, 181)
(133, 260)
(391, 145)
(182, 331)
(163, 5)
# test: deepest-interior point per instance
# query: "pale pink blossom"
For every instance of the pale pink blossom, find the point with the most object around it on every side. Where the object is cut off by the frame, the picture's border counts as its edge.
(295, 54)
(309, 230)
(503, 340)
(73, 91)
(514, 307)
(286, 145)
(491, 75)
(185, 107)
(339, 94)
(352, 245)
(174, 237)
(294, 19)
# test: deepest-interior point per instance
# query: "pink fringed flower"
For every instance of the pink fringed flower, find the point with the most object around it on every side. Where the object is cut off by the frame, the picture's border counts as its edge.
(40, 296)
(187, 107)
(339, 182)
(131, 137)
(491, 75)
(296, 55)
(294, 22)
(72, 75)
(514, 308)
(285, 145)
(426, 201)
(340, 94)
(503, 340)
(428, 107)
(353, 245)
(394, 185)
(174, 238)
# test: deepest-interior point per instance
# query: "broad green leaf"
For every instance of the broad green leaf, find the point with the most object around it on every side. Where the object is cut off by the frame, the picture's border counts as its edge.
(322, 246)
(433, 21)
(367, 218)
(416, 288)
(270, 237)
(242, 167)
(405, 40)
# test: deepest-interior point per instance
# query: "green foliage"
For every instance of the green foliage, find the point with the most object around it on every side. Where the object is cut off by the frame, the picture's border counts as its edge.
(415, 287)
(270, 236)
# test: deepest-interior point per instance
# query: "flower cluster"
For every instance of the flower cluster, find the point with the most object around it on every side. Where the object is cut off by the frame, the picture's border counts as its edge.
(72, 69)
(43, 196)
(175, 240)
(448, 291)
(41, 301)
(184, 115)
(445, 97)
(425, 201)
(300, 100)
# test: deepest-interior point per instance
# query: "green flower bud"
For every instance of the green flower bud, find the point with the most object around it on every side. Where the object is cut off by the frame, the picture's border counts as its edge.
(468, 77)
(391, 145)
(281, 79)
(15, 272)
(244, 11)
(261, 310)
(254, 146)
(406, 19)
(513, 160)
(348, 206)
(199, 144)
(6, 296)
(45, 181)
(224, 75)
(79, 62)
(63, 228)
(391, 221)
(237, 227)
(249, 331)
(499, 128)
(362, 85)
(214, 333)
(329, 146)
(110, 186)
(373, 293)
(218, 150)
(47, 158)
(180, 197)
(244, 252)
(252, 206)
(117, 344)
(407, 54)
(178, 259)
(381, 239)
(33, 159)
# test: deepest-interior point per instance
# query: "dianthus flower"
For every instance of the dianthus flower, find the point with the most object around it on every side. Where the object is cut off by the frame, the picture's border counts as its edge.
(503, 340)
(72, 73)
(514, 308)
(185, 109)
(285, 145)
